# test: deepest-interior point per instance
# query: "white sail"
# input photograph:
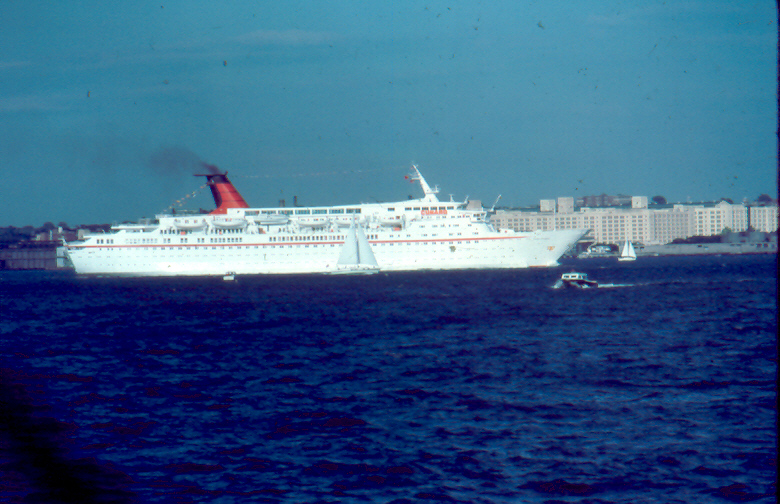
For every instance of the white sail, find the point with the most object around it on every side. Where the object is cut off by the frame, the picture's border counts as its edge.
(365, 254)
(349, 251)
(631, 252)
(356, 256)
(627, 253)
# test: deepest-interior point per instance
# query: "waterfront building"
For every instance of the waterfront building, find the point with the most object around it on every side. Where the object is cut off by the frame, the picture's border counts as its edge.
(764, 218)
(607, 224)
(638, 223)
(669, 224)
(31, 254)
(713, 220)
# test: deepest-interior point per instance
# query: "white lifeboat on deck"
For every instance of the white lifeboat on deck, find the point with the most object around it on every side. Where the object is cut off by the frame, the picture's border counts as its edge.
(229, 222)
(189, 223)
(271, 219)
(347, 220)
(313, 222)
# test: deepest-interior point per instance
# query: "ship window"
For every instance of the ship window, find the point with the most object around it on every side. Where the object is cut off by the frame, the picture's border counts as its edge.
(391, 209)
(336, 211)
(302, 212)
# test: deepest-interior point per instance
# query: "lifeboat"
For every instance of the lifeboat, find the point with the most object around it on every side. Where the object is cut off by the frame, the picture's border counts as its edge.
(189, 223)
(228, 222)
(314, 222)
(271, 219)
(347, 220)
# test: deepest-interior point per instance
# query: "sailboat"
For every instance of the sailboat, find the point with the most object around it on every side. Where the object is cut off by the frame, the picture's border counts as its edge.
(627, 253)
(356, 256)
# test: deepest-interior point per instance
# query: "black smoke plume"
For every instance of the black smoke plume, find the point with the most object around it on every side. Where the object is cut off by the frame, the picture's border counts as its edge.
(177, 160)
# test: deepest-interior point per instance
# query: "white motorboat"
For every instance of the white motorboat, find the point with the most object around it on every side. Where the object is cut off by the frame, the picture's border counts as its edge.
(577, 281)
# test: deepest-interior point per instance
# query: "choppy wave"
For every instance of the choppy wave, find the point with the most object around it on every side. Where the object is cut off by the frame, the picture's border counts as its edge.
(482, 387)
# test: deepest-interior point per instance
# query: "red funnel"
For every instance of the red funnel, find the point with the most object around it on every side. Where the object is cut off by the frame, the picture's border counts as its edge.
(225, 194)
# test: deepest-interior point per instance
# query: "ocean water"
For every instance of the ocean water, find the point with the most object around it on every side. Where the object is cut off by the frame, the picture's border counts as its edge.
(473, 386)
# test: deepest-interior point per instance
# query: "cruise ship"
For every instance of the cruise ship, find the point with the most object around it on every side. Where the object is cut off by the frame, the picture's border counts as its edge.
(411, 235)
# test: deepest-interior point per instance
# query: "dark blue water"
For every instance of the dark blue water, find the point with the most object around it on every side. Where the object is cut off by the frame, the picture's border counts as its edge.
(478, 386)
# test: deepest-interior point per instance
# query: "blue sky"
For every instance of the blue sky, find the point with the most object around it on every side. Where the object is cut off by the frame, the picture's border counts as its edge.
(331, 101)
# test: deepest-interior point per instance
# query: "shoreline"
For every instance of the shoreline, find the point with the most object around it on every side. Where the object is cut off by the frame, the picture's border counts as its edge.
(698, 249)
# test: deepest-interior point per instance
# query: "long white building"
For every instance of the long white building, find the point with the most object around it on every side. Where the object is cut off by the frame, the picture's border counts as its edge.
(639, 223)
(764, 218)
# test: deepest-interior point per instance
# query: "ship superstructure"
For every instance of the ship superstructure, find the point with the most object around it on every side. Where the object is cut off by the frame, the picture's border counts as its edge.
(417, 234)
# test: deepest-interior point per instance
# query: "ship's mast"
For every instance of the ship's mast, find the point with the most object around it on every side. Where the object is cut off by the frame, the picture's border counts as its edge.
(430, 194)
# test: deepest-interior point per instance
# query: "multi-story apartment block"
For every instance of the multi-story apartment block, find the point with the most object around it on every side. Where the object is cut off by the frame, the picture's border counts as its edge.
(763, 218)
(607, 224)
(616, 225)
(651, 226)
(668, 224)
(712, 220)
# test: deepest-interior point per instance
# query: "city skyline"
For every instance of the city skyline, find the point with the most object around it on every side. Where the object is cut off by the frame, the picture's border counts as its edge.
(332, 102)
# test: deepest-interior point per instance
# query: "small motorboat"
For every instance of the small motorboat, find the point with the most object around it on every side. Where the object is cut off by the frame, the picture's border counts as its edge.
(577, 281)
(229, 276)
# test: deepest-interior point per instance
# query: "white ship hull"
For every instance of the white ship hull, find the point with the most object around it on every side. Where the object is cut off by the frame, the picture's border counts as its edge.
(430, 235)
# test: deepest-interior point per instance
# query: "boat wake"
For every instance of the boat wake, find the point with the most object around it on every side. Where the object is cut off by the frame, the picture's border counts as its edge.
(560, 284)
